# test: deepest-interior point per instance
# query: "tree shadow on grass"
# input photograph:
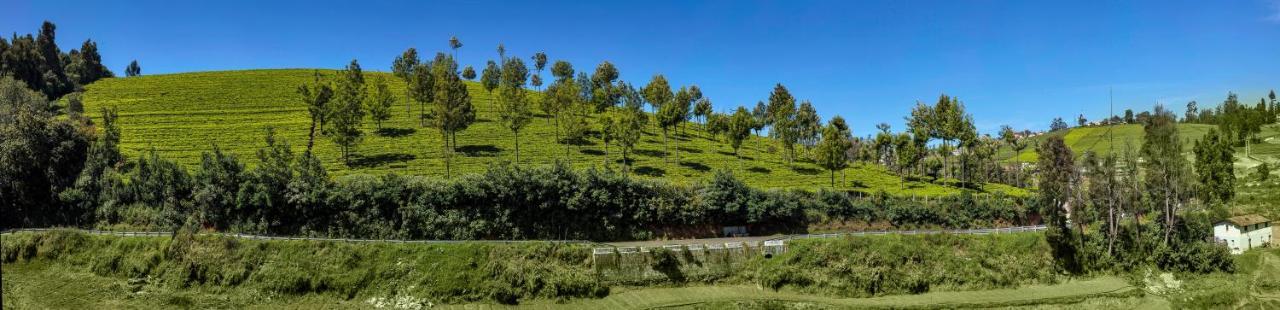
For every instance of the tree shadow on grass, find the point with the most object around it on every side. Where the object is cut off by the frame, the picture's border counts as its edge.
(594, 152)
(650, 171)
(690, 150)
(395, 132)
(650, 153)
(696, 166)
(730, 154)
(486, 150)
(758, 169)
(806, 170)
(362, 161)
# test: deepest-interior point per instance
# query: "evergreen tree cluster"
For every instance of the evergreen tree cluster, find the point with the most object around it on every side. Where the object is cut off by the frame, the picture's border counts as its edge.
(41, 65)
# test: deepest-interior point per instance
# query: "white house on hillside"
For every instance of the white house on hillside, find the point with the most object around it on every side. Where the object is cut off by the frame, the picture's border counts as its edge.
(1243, 232)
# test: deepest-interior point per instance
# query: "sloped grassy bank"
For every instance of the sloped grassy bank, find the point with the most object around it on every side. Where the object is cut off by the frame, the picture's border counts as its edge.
(504, 273)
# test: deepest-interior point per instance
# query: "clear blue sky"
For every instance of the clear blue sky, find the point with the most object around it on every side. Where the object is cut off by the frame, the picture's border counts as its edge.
(1012, 62)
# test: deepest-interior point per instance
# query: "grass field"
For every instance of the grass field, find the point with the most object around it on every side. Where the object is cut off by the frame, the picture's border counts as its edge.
(182, 115)
(712, 296)
(1106, 139)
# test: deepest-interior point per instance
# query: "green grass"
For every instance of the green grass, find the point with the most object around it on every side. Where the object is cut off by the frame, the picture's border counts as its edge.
(712, 296)
(182, 115)
(1105, 140)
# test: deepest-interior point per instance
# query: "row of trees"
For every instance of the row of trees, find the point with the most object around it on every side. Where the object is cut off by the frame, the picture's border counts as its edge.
(60, 173)
(1239, 123)
(1095, 209)
(38, 62)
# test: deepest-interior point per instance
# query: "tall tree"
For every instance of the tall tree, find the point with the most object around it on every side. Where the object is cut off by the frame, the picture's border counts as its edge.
(832, 151)
(380, 105)
(422, 90)
(782, 116)
(1058, 181)
(502, 53)
(1164, 166)
(808, 124)
(316, 95)
(1214, 168)
(515, 113)
(603, 92)
(452, 107)
(658, 94)
(539, 62)
(348, 110)
(625, 130)
(672, 114)
(1192, 112)
(468, 73)
(740, 125)
(491, 77)
(133, 69)
(701, 110)
(403, 68)
(455, 44)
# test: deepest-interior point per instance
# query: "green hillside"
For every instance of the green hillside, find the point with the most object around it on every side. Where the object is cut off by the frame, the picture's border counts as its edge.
(1106, 139)
(182, 115)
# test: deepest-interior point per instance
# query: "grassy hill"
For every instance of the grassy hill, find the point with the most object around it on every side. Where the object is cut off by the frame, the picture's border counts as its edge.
(1106, 139)
(182, 115)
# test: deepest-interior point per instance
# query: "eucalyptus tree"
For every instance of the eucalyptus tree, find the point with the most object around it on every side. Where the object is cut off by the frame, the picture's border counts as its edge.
(515, 112)
(403, 68)
(672, 114)
(502, 53)
(469, 73)
(808, 125)
(1214, 169)
(380, 105)
(133, 69)
(658, 94)
(539, 62)
(702, 109)
(740, 125)
(455, 44)
(348, 109)
(604, 94)
(831, 151)
(422, 90)
(625, 130)
(452, 106)
(782, 117)
(316, 95)
(1165, 169)
(491, 77)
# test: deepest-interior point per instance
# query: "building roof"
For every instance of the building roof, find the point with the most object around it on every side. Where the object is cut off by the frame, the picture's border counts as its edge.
(1246, 220)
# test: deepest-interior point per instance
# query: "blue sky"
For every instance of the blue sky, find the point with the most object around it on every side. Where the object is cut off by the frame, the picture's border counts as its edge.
(1012, 62)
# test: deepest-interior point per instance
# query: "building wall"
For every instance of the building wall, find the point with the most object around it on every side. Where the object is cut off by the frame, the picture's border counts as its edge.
(1240, 239)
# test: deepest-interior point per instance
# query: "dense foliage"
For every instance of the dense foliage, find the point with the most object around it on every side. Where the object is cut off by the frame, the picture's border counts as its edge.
(38, 62)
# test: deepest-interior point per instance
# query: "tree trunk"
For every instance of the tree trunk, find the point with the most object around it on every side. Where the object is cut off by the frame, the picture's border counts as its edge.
(665, 151)
(516, 134)
(311, 137)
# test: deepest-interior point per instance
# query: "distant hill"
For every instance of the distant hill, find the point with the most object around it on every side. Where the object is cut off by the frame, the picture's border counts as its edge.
(1105, 140)
(182, 115)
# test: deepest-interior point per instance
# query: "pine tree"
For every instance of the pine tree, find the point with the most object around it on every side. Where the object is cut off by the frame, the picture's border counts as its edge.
(348, 111)
(515, 113)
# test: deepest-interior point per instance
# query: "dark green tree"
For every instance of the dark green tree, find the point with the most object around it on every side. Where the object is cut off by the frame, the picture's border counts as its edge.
(347, 112)
(1165, 169)
(403, 67)
(739, 128)
(1058, 185)
(316, 95)
(468, 73)
(515, 112)
(782, 117)
(832, 152)
(1213, 166)
(133, 69)
(452, 107)
(380, 104)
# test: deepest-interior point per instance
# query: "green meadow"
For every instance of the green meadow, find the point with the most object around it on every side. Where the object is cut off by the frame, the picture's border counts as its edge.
(180, 116)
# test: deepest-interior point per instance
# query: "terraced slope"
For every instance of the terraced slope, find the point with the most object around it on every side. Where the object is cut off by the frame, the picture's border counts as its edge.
(182, 115)
(1106, 139)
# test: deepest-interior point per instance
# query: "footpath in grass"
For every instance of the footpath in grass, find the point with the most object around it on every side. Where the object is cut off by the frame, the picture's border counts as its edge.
(1070, 292)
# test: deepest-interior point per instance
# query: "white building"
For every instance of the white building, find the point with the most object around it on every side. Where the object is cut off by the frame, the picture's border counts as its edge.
(1243, 232)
